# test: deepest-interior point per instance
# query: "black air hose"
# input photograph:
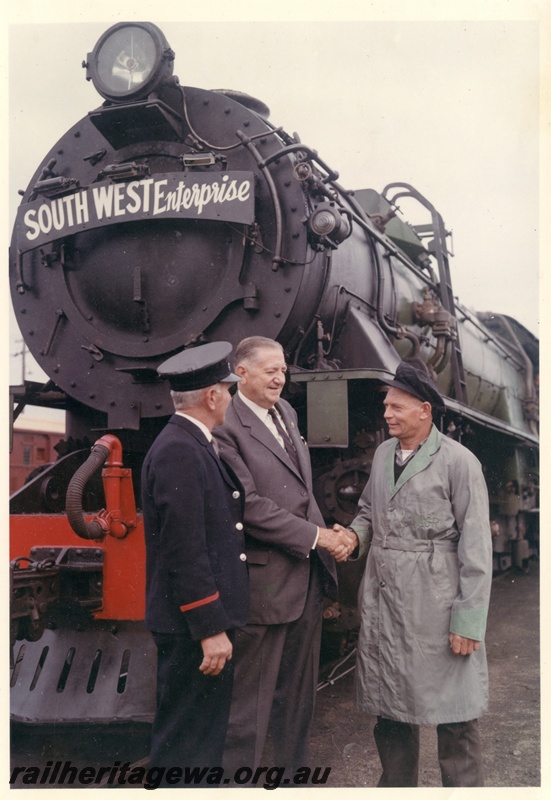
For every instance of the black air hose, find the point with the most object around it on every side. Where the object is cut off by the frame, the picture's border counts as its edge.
(75, 515)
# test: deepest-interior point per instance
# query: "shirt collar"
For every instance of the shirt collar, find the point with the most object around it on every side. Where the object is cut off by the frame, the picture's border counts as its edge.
(401, 461)
(202, 427)
(261, 413)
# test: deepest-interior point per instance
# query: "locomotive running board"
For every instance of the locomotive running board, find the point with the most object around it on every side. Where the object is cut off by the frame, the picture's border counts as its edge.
(105, 673)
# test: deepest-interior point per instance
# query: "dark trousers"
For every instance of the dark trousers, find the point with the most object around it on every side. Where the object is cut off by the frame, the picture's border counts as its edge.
(276, 674)
(458, 753)
(190, 723)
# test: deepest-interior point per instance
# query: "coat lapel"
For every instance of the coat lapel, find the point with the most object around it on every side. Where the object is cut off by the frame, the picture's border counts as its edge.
(418, 463)
(261, 433)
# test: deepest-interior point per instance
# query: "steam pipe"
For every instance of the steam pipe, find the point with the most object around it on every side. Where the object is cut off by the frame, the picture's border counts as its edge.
(75, 490)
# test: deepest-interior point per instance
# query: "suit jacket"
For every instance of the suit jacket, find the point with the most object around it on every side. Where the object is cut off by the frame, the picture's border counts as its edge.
(196, 573)
(281, 514)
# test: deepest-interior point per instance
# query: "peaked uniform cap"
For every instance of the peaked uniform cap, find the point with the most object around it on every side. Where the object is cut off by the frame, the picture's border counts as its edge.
(199, 367)
(415, 380)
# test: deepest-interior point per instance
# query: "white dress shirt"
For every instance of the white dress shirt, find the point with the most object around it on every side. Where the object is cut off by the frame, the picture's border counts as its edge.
(263, 415)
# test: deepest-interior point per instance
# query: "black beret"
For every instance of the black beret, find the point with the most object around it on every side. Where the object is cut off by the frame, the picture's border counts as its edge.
(198, 367)
(415, 379)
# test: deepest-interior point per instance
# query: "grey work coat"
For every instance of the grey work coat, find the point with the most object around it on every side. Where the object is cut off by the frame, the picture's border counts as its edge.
(428, 573)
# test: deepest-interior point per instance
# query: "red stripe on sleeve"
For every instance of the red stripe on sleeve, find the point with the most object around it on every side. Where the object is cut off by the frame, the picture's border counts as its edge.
(198, 603)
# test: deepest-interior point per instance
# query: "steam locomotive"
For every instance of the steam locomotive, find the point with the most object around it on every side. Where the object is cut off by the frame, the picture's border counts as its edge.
(171, 216)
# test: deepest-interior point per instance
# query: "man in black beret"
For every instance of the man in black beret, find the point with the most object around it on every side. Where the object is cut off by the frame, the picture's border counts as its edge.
(196, 572)
(413, 378)
(424, 516)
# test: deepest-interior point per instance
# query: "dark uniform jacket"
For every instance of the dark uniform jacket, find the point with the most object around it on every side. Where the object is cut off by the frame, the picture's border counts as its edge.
(196, 572)
(281, 514)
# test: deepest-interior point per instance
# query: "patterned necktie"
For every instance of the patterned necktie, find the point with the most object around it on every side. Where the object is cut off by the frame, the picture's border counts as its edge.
(287, 442)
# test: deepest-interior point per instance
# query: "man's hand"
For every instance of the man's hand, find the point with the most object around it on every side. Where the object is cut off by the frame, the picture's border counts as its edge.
(340, 542)
(351, 541)
(461, 646)
(217, 650)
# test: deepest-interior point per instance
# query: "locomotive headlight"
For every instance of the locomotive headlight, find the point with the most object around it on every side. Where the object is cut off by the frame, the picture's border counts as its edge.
(329, 224)
(323, 222)
(129, 61)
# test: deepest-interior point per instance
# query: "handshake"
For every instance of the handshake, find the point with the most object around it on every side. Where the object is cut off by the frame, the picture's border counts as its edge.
(338, 541)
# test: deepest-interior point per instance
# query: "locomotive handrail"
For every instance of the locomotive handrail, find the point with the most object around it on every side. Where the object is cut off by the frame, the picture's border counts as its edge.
(221, 147)
(363, 222)
(276, 259)
(299, 147)
(360, 216)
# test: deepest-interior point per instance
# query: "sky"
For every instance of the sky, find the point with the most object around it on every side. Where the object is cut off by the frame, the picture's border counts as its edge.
(425, 93)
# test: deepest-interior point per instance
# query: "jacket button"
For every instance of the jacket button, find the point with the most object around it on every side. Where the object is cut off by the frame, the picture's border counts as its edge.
(239, 526)
(382, 584)
(236, 495)
(242, 556)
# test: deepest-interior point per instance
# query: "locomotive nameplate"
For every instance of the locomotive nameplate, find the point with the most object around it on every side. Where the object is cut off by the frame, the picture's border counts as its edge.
(221, 196)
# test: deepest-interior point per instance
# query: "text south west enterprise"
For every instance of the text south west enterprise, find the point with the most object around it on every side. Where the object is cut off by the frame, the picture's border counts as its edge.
(227, 197)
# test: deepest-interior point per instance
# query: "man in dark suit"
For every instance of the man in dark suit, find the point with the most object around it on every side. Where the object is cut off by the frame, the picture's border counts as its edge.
(196, 573)
(291, 563)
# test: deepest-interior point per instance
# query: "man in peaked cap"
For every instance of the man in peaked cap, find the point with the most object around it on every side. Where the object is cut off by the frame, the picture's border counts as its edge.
(424, 596)
(196, 572)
